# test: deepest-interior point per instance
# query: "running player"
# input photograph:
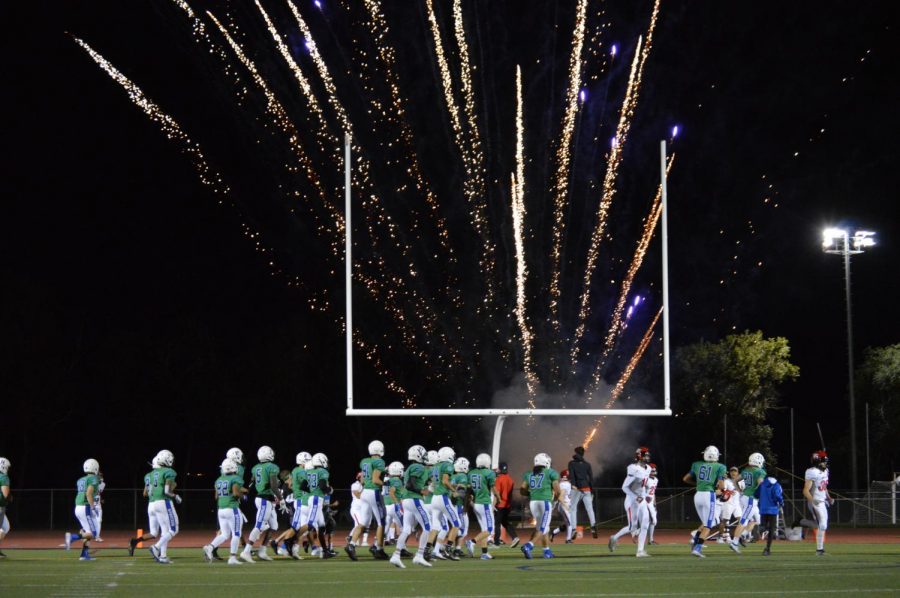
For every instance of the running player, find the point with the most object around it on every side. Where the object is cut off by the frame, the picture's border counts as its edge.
(753, 475)
(415, 482)
(237, 455)
(460, 480)
(229, 489)
(652, 482)
(442, 506)
(635, 489)
(84, 509)
(264, 476)
(564, 506)
(393, 499)
(4, 500)
(542, 485)
(482, 481)
(730, 501)
(815, 490)
(709, 478)
(161, 493)
(373, 468)
(316, 483)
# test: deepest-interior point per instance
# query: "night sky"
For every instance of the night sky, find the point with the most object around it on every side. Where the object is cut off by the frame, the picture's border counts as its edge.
(137, 314)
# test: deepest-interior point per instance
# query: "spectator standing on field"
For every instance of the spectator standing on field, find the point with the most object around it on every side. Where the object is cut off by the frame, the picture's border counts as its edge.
(504, 486)
(582, 477)
(771, 497)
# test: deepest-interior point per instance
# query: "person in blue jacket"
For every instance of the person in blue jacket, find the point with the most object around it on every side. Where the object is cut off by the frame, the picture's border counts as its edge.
(771, 498)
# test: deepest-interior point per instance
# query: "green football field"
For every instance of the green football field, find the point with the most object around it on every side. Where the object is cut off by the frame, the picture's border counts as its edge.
(848, 569)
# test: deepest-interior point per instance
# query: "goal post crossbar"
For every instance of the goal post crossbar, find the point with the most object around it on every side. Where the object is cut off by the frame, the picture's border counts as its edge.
(417, 412)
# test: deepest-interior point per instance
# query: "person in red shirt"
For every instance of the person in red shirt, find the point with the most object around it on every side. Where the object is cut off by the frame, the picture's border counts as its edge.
(504, 486)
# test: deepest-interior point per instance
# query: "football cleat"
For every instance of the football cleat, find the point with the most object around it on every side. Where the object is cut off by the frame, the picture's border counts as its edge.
(405, 553)
(696, 552)
(514, 543)
(164, 560)
(470, 546)
(246, 556)
(87, 557)
(154, 552)
(438, 554)
(486, 557)
(548, 554)
(612, 543)
(734, 547)
(207, 553)
(766, 552)
(263, 555)
(594, 531)
(295, 552)
(215, 554)
(68, 540)
(418, 560)
(395, 561)
(527, 552)
(351, 552)
(232, 560)
(642, 554)
(820, 552)
(132, 544)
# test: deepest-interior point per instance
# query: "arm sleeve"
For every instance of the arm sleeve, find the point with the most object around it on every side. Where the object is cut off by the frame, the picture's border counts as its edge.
(626, 487)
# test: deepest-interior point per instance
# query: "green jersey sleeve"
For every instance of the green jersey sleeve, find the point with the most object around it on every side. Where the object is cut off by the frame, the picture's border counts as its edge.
(4, 481)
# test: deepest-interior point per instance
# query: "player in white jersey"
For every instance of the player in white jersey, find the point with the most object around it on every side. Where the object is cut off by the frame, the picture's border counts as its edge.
(563, 506)
(652, 482)
(730, 502)
(356, 507)
(635, 489)
(815, 490)
(98, 506)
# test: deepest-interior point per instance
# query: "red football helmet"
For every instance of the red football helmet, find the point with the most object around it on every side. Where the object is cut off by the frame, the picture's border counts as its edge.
(819, 458)
(564, 474)
(653, 469)
(642, 453)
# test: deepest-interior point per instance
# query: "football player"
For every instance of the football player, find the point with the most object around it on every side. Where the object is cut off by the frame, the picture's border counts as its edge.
(708, 476)
(815, 490)
(460, 479)
(4, 500)
(393, 499)
(652, 483)
(432, 507)
(153, 528)
(264, 476)
(635, 489)
(482, 481)
(441, 505)
(98, 506)
(161, 494)
(753, 475)
(84, 509)
(415, 485)
(301, 513)
(373, 468)
(237, 455)
(564, 506)
(317, 484)
(541, 484)
(229, 489)
(730, 501)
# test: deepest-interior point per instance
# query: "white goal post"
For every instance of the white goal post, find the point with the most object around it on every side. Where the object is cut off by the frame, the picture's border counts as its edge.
(352, 410)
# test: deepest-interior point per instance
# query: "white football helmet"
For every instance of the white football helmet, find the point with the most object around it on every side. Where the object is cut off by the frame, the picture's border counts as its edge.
(483, 460)
(91, 466)
(165, 458)
(431, 458)
(303, 458)
(235, 454)
(461, 465)
(542, 459)
(265, 454)
(319, 460)
(446, 455)
(416, 453)
(228, 467)
(711, 454)
(155, 462)
(395, 469)
(756, 460)
(376, 447)
(4, 465)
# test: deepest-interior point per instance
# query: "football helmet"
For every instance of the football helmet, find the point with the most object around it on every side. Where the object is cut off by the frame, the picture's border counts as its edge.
(91, 466)
(756, 460)
(542, 459)
(461, 465)
(653, 469)
(431, 458)
(303, 457)
(819, 458)
(564, 474)
(446, 455)
(376, 447)
(265, 454)
(319, 460)
(483, 460)
(395, 469)
(229, 466)
(4, 465)
(416, 453)
(235, 454)
(711, 454)
(642, 453)
(165, 458)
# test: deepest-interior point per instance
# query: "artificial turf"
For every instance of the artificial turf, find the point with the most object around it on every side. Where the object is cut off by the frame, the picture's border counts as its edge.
(793, 569)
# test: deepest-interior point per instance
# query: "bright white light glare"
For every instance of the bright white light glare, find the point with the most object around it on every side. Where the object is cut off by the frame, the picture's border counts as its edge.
(863, 238)
(637, 300)
(613, 142)
(582, 95)
(830, 235)
(674, 131)
(613, 50)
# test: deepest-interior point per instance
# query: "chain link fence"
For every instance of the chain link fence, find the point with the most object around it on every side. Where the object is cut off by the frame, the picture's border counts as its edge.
(126, 508)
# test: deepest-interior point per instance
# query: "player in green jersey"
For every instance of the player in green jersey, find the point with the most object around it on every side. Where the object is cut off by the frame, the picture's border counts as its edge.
(431, 461)
(461, 499)
(228, 491)
(709, 477)
(153, 529)
(541, 484)
(84, 509)
(4, 500)
(236, 455)
(301, 497)
(443, 511)
(753, 476)
(482, 481)
(372, 505)
(264, 476)
(318, 485)
(393, 498)
(415, 486)
(161, 494)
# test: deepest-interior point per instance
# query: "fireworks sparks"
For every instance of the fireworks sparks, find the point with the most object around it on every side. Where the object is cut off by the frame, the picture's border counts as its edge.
(563, 159)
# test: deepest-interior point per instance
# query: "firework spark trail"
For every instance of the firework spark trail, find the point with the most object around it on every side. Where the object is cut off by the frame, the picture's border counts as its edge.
(473, 184)
(518, 216)
(626, 375)
(615, 327)
(629, 105)
(563, 159)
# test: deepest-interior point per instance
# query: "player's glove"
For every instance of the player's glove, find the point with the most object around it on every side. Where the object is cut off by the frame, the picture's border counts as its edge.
(177, 499)
(284, 508)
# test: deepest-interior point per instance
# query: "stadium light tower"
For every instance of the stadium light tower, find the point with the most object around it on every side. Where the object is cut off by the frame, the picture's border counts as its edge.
(838, 241)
